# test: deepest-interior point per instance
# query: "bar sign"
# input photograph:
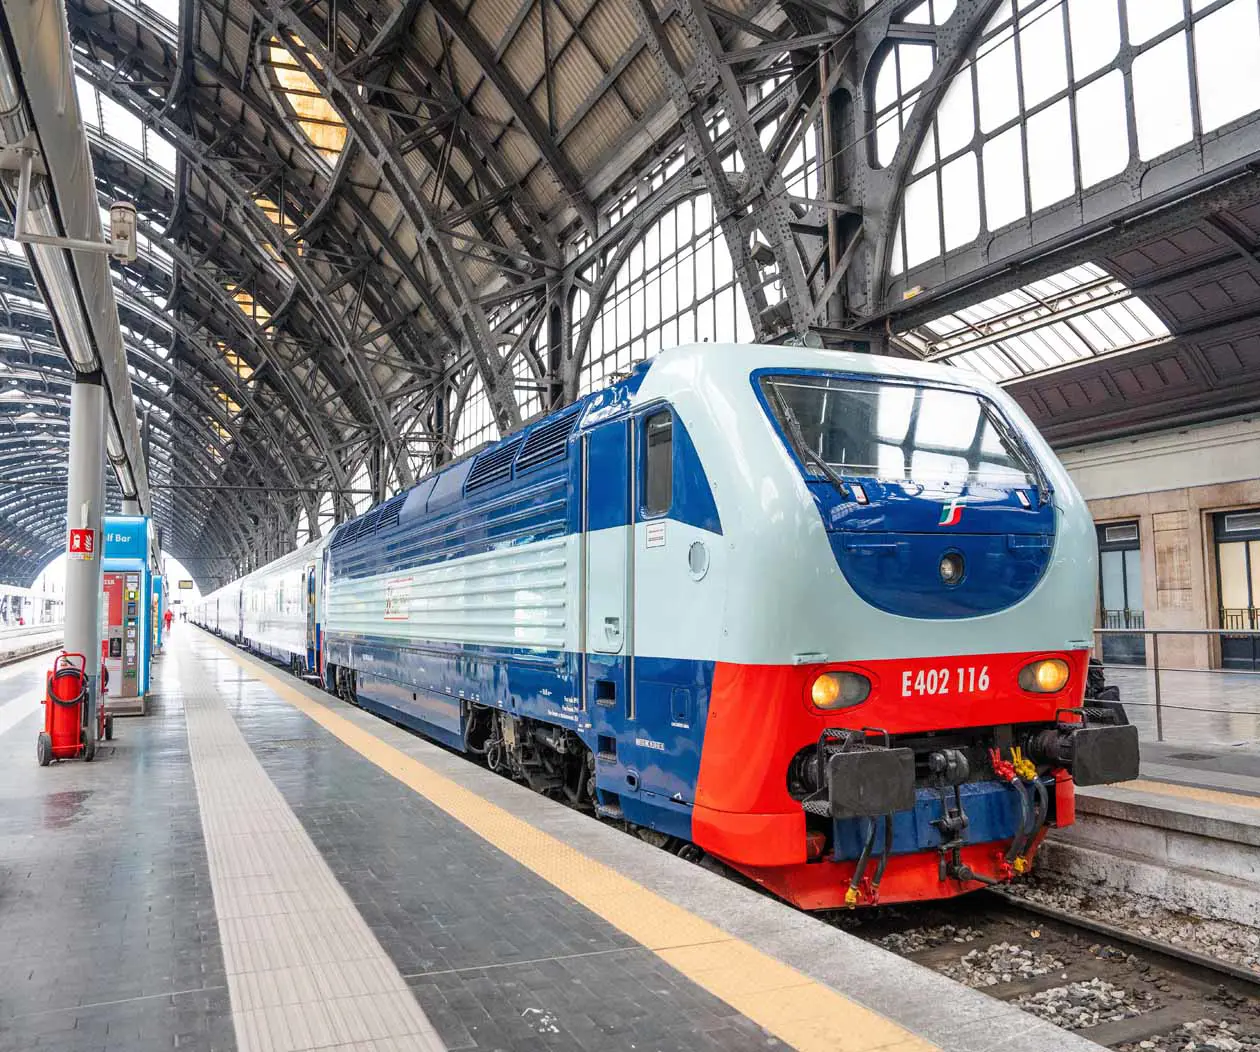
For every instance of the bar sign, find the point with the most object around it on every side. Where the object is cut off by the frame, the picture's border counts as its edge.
(82, 545)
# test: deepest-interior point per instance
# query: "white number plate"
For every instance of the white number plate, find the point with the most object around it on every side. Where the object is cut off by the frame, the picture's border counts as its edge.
(934, 682)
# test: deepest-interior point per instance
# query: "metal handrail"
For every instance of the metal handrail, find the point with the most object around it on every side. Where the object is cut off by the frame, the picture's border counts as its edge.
(1179, 632)
(1154, 666)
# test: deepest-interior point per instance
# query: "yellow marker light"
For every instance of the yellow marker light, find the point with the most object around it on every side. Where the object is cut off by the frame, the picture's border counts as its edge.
(839, 690)
(1044, 677)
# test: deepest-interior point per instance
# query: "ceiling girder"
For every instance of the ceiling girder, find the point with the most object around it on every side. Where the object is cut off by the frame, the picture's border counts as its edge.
(318, 64)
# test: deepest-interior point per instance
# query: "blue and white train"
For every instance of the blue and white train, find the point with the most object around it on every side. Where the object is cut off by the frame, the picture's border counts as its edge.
(824, 616)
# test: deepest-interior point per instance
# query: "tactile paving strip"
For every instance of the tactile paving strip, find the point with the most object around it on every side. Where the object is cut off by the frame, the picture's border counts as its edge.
(304, 970)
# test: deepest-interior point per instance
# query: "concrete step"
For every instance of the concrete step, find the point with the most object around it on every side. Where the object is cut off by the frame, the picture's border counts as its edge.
(1194, 848)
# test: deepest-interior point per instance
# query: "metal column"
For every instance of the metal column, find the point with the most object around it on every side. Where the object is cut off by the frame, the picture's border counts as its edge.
(85, 498)
(130, 507)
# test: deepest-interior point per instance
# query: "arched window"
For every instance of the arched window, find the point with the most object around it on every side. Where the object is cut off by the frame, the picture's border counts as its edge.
(326, 517)
(362, 482)
(676, 287)
(476, 422)
(1061, 96)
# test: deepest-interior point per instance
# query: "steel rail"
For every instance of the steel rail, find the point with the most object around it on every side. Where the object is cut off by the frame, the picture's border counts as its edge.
(1119, 934)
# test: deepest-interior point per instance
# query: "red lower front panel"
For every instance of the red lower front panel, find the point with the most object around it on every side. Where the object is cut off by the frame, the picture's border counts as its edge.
(908, 878)
(760, 717)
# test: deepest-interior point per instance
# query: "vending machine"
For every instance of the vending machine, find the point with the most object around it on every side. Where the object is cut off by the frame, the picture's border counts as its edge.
(127, 610)
(121, 639)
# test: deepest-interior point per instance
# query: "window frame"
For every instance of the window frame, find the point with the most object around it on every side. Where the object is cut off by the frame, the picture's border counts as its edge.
(642, 421)
(810, 473)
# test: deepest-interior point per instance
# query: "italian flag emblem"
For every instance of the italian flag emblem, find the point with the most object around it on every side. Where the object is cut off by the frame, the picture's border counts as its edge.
(951, 514)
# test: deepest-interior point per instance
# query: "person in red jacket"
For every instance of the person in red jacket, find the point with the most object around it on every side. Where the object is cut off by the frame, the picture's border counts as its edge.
(169, 618)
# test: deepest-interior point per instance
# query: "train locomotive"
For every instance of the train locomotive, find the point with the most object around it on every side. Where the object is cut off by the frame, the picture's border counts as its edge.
(823, 616)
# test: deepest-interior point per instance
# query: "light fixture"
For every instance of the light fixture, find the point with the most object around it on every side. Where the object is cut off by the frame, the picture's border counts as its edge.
(1048, 676)
(839, 690)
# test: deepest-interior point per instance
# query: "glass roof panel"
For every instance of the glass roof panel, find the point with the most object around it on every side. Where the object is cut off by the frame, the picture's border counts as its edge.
(121, 132)
(320, 123)
(250, 307)
(1065, 318)
(235, 362)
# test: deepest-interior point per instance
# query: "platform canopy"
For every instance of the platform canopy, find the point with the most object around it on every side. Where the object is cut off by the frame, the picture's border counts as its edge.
(376, 235)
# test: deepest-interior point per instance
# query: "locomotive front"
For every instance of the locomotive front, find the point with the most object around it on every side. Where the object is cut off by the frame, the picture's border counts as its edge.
(898, 712)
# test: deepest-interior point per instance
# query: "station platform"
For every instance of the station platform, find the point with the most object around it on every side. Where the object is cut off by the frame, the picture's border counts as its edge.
(1225, 768)
(257, 866)
(1205, 707)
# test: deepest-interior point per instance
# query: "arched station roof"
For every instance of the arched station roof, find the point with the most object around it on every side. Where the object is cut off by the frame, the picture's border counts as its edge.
(377, 233)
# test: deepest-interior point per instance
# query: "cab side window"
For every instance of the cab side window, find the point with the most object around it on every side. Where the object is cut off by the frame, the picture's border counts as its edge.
(658, 462)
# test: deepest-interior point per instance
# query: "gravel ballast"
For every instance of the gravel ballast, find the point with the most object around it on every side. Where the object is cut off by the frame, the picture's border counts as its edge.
(1222, 940)
(1078, 1006)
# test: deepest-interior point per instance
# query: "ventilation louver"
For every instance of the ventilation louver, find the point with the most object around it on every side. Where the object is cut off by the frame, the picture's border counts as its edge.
(492, 467)
(549, 441)
(357, 527)
(389, 512)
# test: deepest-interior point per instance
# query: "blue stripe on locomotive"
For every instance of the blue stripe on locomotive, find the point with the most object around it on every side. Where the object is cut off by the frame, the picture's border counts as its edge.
(424, 686)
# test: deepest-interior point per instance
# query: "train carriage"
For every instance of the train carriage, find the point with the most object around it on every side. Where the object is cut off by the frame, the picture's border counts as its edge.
(278, 606)
(824, 616)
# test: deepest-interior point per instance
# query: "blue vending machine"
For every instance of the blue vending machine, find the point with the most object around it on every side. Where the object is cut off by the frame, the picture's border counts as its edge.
(127, 611)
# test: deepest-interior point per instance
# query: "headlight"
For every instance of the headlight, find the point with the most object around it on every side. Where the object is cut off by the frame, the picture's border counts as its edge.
(951, 568)
(1044, 677)
(839, 690)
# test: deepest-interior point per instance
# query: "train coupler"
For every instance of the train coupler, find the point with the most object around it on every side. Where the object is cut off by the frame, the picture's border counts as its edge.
(866, 779)
(1094, 754)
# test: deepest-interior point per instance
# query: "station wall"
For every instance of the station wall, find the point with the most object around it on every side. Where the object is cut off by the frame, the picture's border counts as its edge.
(1176, 487)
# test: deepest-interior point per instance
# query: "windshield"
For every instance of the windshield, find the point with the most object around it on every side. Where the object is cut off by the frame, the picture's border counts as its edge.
(900, 431)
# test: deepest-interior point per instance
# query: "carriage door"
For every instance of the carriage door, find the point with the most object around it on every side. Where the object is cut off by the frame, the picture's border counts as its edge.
(312, 640)
(1238, 569)
(607, 571)
(1120, 591)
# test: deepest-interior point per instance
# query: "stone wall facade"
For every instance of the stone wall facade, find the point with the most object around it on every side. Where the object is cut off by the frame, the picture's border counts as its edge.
(1173, 484)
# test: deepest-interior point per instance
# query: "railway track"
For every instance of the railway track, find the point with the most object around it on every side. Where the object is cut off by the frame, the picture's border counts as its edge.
(13, 657)
(1120, 988)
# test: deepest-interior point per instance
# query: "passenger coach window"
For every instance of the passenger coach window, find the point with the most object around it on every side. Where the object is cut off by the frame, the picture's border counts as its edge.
(658, 482)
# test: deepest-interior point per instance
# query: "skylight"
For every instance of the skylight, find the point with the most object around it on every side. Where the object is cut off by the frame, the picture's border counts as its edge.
(286, 224)
(1070, 317)
(226, 400)
(122, 132)
(250, 307)
(235, 362)
(320, 123)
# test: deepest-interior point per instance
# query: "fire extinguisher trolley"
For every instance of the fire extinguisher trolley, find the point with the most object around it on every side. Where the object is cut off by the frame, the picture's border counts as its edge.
(65, 734)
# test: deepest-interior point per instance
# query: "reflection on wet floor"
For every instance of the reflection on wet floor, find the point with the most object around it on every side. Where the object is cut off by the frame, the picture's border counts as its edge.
(1208, 706)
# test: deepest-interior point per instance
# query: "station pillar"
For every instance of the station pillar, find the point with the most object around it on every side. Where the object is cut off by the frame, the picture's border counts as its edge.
(85, 499)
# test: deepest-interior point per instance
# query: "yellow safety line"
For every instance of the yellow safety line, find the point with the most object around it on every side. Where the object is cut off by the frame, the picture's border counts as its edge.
(798, 1010)
(1192, 792)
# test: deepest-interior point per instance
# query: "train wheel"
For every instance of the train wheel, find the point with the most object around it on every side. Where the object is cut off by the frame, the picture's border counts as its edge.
(43, 749)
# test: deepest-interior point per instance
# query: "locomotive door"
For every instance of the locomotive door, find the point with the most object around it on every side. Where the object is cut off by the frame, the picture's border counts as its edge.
(667, 690)
(606, 567)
